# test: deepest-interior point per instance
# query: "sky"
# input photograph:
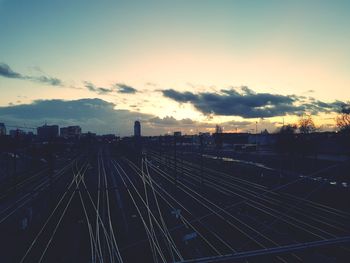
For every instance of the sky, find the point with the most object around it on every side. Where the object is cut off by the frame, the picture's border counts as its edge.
(175, 65)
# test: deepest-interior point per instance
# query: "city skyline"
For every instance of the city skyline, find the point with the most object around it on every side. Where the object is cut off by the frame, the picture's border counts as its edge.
(174, 131)
(178, 65)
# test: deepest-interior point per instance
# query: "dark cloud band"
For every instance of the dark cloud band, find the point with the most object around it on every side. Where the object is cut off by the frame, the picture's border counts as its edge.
(245, 103)
(123, 88)
(7, 72)
(91, 114)
(118, 88)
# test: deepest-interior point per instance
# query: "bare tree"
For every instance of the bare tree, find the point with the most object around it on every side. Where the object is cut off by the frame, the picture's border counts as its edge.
(343, 119)
(306, 125)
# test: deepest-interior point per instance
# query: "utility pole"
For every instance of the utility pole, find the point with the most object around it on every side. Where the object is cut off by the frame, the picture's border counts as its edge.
(160, 150)
(175, 161)
(182, 158)
(51, 171)
(167, 148)
(256, 135)
(15, 162)
(201, 162)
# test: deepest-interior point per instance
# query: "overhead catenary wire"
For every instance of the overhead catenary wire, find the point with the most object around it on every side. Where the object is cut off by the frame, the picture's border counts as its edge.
(183, 218)
(141, 217)
(58, 223)
(47, 221)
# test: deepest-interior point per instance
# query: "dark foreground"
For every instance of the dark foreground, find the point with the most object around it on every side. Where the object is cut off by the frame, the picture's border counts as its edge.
(104, 204)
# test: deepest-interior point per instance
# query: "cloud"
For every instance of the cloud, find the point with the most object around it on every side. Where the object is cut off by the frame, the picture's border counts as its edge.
(47, 80)
(7, 72)
(345, 108)
(122, 88)
(189, 126)
(180, 96)
(94, 115)
(99, 90)
(169, 124)
(100, 116)
(171, 121)
(246, 103)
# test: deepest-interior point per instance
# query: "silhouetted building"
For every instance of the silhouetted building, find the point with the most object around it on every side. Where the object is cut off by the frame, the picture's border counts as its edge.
(218, 136)
(2, 129)
(70, 132)
(262, 139)
(17, 133)
(88, 134)
(218, 129)
(108, 138)
(203, 138)
(177, 134)
(137, 129)
(47, 132)
(235, 138)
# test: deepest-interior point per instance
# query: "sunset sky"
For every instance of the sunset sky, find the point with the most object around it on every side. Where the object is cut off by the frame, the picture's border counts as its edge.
(174, 65)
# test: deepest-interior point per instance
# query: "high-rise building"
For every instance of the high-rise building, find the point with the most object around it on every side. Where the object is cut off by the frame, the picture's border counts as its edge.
(137, 129)
(70, 132)
(218, 129)
(2, 129)
(47, 132)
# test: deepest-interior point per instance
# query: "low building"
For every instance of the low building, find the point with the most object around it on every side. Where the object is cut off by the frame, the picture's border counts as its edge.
(17, 133)
(2, 129)
(70, 132)
(262, 139)
(47, 132)
(177, 134)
